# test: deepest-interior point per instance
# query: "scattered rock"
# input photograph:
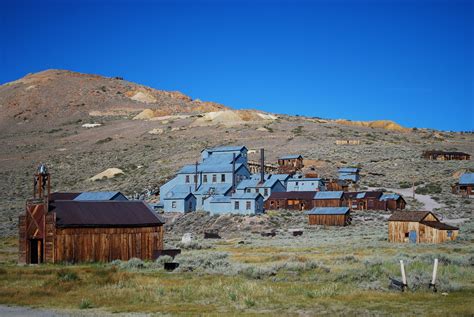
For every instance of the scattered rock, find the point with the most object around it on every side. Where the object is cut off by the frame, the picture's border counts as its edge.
(145, 115)
(156, 131)
(91, 125)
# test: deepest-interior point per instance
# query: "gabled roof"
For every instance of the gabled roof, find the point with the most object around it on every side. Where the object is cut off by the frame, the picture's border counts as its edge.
(293, 195)
(439, 225)
(290, 157)
(351, 177)
(410, 216)
(329, 195)
(373, 194)
(252, 196)
(309, 179)
(109, 213)
(98, 196)
(255, 183)
(179, 192)
(385, 197)
(218, 188)
(210, 168)
(281, 177)
(220, 200)
(466, 179)
(348, 170)
(328, 211)
(227, 148)
(220, 158)
(63, 196)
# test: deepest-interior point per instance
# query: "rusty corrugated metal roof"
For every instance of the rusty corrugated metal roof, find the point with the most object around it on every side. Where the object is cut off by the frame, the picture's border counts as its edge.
(104, 214)
(63, 196)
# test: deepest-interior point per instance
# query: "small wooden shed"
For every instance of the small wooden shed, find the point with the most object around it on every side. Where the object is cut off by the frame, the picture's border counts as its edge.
(290, 200)
(465, 186)
(329, 199)
(330, 216)
(419, 227)
(445, 155)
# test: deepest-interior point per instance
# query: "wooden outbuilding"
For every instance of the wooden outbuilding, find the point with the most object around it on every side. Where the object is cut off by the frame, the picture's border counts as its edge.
(465, 185)
(290, 163)
(419, 227)
(337, 185)
(329, 216)
(290, 200)
(445, 155)
(364, 200)
(55, 231)
(392, 202)
(329, 199)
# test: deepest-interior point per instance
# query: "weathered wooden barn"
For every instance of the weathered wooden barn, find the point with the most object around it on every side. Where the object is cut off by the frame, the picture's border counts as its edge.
(365, 200)
(329, 216)
(290, 163)
(329, 199)
(290, 200)
(465, 185)
(419, 227)
(392, 202)
(336, 185)
(445, 155)
(53, 230)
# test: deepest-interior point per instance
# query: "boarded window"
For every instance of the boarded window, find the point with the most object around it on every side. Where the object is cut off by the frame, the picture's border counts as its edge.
(236, 205)
(248, 205)
(173, 204)
(187, 178)
(450, 233)
(223, 178)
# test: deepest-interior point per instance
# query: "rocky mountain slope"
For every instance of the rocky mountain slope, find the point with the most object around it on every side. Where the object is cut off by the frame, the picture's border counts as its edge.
(82, 125)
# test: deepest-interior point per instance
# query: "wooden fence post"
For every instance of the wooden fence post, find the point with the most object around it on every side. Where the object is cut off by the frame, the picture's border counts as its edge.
(433, 280)
(404, 278)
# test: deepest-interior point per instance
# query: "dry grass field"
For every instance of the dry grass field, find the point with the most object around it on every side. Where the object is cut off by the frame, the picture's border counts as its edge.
(327, 271)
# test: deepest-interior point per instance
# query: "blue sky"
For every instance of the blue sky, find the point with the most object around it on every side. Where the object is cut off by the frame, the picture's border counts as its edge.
(408, 61)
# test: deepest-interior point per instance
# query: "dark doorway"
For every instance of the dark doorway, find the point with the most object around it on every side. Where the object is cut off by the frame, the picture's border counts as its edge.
(36, 251)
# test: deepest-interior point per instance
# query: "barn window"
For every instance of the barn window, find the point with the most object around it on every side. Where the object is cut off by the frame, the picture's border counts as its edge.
(248, 205)
(187, 178)
(406, 234)
(450, 233)
(214, 178)
(173, 204)
(204, 179)
(223, 178)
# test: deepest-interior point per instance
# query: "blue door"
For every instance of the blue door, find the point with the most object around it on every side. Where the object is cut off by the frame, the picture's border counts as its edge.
(412, 236)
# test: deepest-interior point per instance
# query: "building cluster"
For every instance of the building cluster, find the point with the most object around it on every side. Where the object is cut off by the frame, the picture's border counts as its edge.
(105, 226)
(222, 183)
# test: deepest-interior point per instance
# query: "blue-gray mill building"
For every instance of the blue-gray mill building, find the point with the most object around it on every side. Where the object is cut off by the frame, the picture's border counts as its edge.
(220, 183)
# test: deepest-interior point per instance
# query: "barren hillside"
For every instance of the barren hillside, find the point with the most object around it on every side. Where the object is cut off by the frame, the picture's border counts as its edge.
(82, 125)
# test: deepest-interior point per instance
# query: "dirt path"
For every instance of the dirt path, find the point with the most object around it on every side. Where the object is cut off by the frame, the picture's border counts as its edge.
(428, 202)
(19, 311)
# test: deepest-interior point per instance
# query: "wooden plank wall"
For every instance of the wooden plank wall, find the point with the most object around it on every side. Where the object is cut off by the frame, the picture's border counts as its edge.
(424, 234)
(327, 203)
(50, 235)
(328, 220)
(107, 244)
(22, 248)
